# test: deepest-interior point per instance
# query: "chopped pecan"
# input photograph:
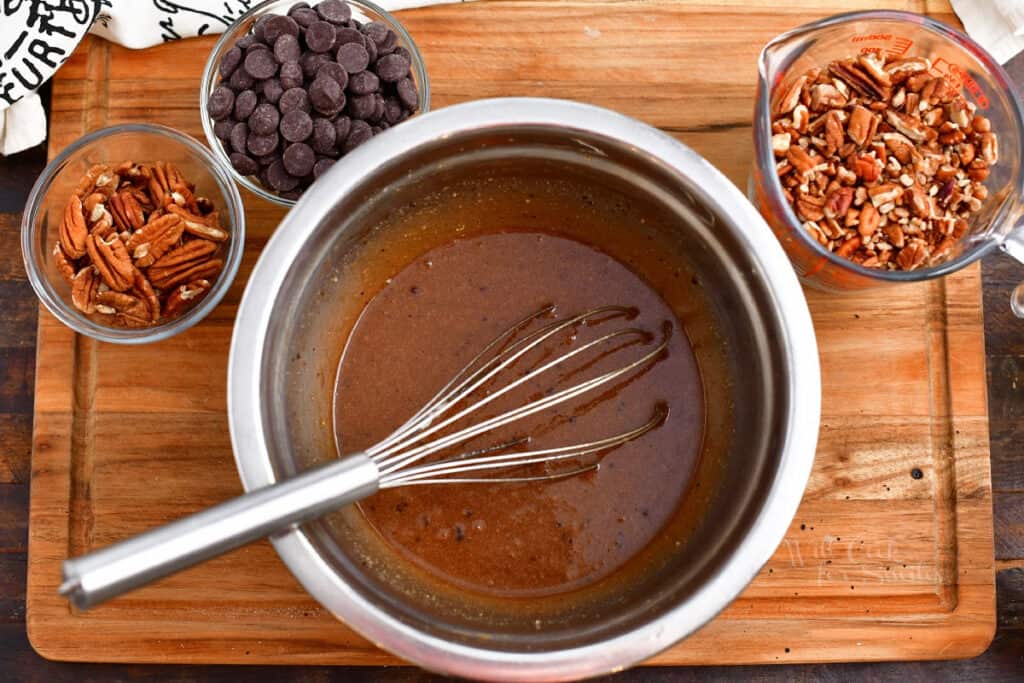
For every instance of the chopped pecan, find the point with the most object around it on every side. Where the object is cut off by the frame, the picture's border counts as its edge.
(919, 203)
(908, 125)
(111, 259)
(912, 255)
(833, 132)
(885, 193)
(859, 127)
(989, 149)
(866, 168)
(857, 78)
(155, 239)
(780, 144)
(186, 296)
(826, 96)
(84, 288)
(791, 97)
(800, 159)
(869, 220)
(901, 69)
(849, 246)
(894, 233)
(838, 202)
(801, 117)
(965, 153)
(900, 147)
(810, 208)
(977, 170)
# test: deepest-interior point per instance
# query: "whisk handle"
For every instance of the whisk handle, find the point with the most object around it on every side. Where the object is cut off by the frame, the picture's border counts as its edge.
(116, 569)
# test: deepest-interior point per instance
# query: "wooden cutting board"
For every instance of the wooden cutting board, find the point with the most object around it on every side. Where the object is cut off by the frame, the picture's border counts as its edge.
(890, 555)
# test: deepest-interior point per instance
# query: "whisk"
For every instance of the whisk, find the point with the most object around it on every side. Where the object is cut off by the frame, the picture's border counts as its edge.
(402, 458)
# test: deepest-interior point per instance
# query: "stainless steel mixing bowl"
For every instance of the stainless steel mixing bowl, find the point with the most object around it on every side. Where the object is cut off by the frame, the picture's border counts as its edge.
(286, 347)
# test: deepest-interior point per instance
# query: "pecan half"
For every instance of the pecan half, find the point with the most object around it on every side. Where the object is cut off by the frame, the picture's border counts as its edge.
(73, 232)
(142, 288)
(191, 261)
(112, 261)
(155, 239)
(912, 255)
(810, 208)
(125, 309)
(869, 220)
(838, 202)
(99, 178)
(207, 227)
(184, 297)
(64, 267)
(126, 211)
(826, 96)
(84, 288)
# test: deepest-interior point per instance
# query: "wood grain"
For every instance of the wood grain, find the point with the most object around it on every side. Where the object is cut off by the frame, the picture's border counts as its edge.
(877, 565)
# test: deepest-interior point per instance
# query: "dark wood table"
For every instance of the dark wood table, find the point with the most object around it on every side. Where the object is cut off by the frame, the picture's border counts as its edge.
(1004, 348)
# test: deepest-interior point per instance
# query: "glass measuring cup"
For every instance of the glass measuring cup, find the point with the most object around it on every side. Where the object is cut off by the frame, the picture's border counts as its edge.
(1000, 223)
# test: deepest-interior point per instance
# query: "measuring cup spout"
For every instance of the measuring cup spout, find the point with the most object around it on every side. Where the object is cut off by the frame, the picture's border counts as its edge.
(1013, 245)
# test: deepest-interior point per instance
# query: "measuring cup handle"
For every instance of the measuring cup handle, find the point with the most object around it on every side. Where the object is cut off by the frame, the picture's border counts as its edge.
(116, 569)
(1014, 246)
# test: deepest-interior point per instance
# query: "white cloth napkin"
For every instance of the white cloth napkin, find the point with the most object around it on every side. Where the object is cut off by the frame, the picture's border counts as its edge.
(997, 25)
(37, 36)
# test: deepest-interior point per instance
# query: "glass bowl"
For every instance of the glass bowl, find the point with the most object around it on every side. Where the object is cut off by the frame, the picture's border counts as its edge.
(362, 10)
(139, 142)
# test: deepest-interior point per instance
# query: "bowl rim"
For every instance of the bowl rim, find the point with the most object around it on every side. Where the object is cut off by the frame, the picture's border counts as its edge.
(245, 408)
(231, 34)
(61, 309)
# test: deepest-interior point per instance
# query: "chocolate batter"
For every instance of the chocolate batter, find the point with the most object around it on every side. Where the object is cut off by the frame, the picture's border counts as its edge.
(521, 539)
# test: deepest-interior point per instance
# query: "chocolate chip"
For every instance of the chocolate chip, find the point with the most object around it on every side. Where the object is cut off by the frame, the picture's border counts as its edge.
(311, 61)
(342, 126)
(322, 166)
(304, 16)
(292, 99)
(253, 38)
(376, 31)
(359, 134)
(324, 135)
(279, 178)
(264, 119)
(245, 102)
(320, 36)
(291, 75)
(244, 164)
(278, 26)
(241, 80)
(392, 110)
(371, 51)
(392, 68)
(326, 96)
(268, 159)
(299, 159)
(334, 71)
(361, 107)
(388, 45)
(378, 108)
(296, 125)
(260, 64)
(334, 11)
(222, 129)
(229, 62)
(403, 52)
(256, 46)
(239, 134)
(407, 94)
(344, 36)
(258, 28)
(362, 83)
(287, 48)
(220, 103)
(261, 145)
(353, 57)
(272, 90)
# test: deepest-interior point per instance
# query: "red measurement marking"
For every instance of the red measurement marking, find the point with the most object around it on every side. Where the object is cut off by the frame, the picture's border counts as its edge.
(959, 78)
(895, 46)
(899, 46)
